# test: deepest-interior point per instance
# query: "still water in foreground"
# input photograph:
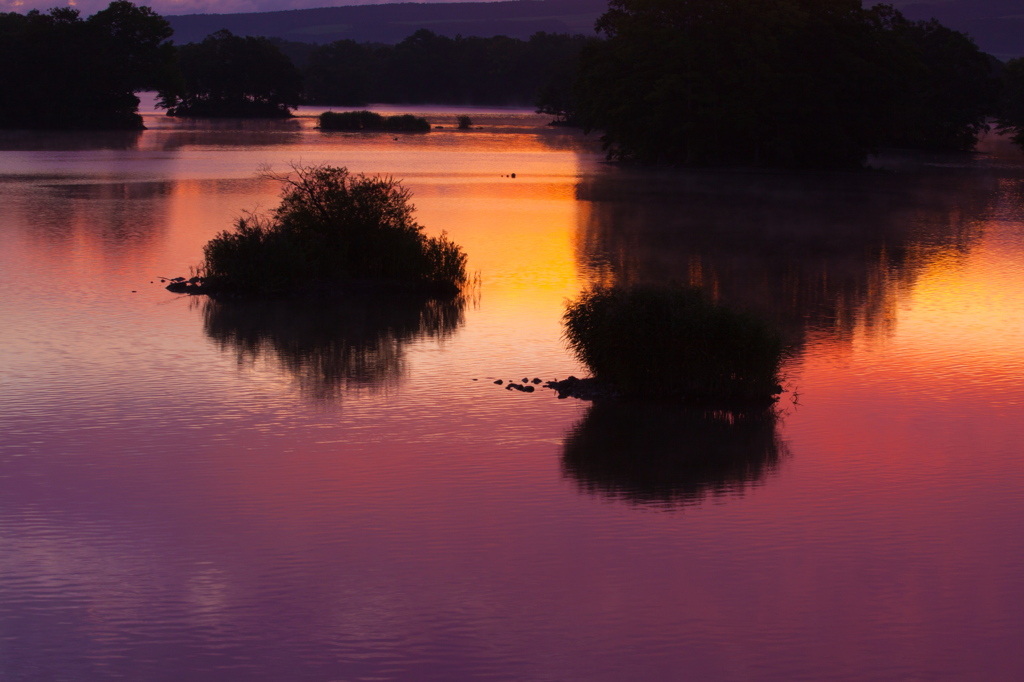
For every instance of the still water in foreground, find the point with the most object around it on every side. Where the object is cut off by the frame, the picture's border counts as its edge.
(268, 491)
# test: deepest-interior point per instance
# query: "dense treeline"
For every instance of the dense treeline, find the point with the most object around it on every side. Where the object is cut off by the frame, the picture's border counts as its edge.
(228, 75)
(59, 71)
(798, 83)
(946, 88)
(1011, 110)
(429, 68)
(813, 83)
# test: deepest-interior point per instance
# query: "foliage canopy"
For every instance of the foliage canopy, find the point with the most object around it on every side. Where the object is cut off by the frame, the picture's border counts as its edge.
(799, 83)
(63, 72)
(430, 68)
(1011, 107)
(227, 75)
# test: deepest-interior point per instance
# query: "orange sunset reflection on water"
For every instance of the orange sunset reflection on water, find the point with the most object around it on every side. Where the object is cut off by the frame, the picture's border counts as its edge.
(331, 490)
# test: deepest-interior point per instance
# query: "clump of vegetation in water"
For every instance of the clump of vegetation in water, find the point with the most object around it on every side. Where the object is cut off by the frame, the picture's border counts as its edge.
(465, 122)
(673, 343)
(368, 120)
(333, 231)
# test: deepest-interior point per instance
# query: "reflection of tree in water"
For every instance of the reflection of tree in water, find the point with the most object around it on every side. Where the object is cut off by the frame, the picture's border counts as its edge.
(331, 346)
(68, 141)
(172, 135)
(827, 253)
(667, 454)
(124, 221)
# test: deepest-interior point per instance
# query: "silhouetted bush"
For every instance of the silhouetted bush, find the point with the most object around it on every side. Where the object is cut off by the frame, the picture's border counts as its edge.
(350, 120)
(673, 342)
(332, 231)
(368, 120)
(465, 122)
(406, 123)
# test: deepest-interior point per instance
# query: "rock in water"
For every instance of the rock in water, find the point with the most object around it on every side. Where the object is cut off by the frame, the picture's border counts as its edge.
(583, 389)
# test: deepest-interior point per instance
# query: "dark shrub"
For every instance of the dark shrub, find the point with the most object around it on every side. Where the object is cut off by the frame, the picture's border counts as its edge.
(333, 231)
(673, 342)
(406, 123)
(350, 120)
(368, 120)
(465, 122)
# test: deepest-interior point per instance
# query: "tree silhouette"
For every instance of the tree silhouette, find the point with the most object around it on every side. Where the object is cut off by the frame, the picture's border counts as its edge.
(60, 71)
(1011, 107)
(227, 75)
(429, 68)
(799, 83)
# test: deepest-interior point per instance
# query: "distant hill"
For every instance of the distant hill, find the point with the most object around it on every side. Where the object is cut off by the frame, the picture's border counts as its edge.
(997, 26)
(391, 23)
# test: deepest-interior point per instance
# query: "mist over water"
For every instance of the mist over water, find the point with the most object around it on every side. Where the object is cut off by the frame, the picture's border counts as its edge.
(240, 490)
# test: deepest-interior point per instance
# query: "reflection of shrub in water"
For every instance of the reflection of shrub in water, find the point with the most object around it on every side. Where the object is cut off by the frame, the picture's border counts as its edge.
(671, 455)
(330, 346)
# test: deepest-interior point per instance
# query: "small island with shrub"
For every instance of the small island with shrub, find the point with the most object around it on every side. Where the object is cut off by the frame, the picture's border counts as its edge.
(334, 232)
(370, 121)
(674, 343)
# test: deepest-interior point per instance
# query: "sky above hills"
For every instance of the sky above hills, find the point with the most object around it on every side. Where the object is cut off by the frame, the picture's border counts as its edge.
(232, 6)
(88, 7)
(996, 25)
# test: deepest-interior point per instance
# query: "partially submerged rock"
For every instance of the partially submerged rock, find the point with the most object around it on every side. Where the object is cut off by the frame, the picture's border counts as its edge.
(583, 389)
(180, 285)
(596, 390)
(355, 287)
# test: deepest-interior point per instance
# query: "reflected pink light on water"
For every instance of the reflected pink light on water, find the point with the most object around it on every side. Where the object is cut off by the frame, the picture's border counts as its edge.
(181, 501)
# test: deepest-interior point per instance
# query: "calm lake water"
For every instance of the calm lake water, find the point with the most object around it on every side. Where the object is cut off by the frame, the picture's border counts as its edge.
(198, 491)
